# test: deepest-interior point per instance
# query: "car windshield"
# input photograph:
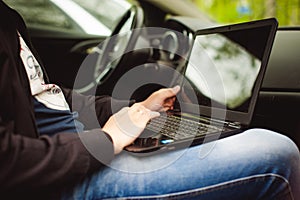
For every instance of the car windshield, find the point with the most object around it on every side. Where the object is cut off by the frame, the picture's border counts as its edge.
(287, 12)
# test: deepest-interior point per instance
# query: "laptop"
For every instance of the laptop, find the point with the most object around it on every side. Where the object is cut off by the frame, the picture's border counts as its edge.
(220, 84)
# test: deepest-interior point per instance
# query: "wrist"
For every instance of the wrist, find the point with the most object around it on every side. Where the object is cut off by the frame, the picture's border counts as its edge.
(114, 141)
(144, 104)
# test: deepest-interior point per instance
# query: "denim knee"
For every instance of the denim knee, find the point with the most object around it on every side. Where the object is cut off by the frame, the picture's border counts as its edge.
(282, 156)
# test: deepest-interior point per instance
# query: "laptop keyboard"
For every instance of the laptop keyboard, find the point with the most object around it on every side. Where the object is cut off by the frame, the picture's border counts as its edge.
(176, 127)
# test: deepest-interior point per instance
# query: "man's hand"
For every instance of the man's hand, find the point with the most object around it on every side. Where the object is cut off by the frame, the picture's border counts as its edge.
(161, 100)
(127, 124)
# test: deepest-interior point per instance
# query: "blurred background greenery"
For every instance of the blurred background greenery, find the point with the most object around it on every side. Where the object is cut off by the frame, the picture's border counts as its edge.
(287, 12)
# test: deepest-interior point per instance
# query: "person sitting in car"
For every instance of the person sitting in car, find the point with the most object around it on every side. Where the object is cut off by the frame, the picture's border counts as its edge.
(45, 130)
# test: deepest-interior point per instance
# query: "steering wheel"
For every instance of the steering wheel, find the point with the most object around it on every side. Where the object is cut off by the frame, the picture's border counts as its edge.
(107, 56)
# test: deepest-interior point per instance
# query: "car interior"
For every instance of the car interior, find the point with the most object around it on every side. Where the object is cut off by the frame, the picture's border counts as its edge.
(165, 43)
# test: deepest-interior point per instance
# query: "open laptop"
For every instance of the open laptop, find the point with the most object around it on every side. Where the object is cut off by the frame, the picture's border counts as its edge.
(220, 84)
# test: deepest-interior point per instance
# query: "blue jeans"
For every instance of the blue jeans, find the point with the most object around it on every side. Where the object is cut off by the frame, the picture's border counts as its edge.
(256, 164)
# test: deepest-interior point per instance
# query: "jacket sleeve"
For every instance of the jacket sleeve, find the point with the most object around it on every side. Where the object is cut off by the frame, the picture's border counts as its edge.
(29, 163)
(49, 163)
(94, 111)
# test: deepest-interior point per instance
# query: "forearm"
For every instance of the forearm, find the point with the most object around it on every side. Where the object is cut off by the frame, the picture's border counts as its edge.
(50, 162)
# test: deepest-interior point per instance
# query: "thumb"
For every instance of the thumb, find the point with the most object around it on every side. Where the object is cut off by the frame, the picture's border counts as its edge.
(170, 92)
(175, 89)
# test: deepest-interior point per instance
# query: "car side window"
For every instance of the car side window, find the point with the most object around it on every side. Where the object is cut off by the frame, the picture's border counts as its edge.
(74, 16)
(41, 13)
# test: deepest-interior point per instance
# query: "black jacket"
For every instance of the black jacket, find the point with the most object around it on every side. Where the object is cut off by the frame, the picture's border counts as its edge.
(29, 163)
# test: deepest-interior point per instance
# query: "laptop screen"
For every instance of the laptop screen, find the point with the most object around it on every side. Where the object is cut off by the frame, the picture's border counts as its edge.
(225, 67)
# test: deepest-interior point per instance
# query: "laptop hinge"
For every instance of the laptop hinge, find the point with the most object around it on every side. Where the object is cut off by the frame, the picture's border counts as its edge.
(236, 125)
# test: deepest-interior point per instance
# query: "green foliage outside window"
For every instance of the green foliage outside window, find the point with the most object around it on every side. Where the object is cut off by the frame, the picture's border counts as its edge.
(287, 12)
